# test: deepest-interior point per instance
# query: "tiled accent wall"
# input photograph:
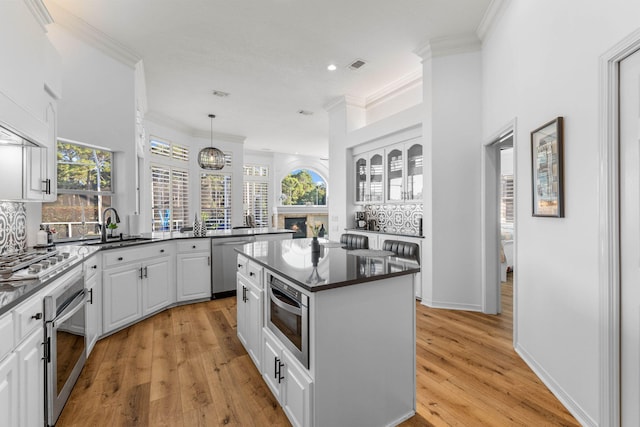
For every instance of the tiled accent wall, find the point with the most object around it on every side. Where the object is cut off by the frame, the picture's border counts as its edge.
(402, 219)
(13, 227)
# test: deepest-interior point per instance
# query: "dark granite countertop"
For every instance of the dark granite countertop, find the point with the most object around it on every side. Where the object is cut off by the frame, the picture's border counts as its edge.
(387, 233)
(335, 266)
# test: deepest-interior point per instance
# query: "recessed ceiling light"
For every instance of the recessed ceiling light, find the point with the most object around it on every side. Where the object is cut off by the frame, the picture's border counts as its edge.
(305, 112)
(332, 67)
(221, 94)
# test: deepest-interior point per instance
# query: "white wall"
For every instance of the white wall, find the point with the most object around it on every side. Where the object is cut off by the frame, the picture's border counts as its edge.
(451, 129)
(98, 108)
(541, 61)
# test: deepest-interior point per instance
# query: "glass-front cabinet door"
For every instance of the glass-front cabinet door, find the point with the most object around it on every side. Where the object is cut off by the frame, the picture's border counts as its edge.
(395, 175)
(376, 182)
(414, 183)
(361, 179)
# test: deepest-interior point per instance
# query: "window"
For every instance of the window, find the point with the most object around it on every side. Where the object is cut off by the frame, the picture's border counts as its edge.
(303, 187)
(169, 186)
(85, 178)
(255, 194)
(215, 200)
(506, 200)
(169, 198)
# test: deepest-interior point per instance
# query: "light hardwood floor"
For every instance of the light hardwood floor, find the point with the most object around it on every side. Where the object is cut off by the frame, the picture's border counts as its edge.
(186, 367)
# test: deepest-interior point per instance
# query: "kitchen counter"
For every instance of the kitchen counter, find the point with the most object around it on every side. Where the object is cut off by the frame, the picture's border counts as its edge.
(335, 266)
(386, 233)
(13, 293)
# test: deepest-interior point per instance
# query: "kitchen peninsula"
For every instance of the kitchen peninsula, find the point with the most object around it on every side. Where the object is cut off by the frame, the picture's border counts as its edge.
(331, 330)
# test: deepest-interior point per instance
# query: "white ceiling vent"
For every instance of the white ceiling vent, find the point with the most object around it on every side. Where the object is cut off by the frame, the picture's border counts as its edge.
(305, 112)
(357, 65)
(220, 93)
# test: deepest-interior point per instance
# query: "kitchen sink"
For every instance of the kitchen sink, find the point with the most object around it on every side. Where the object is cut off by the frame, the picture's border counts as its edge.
(118, 243)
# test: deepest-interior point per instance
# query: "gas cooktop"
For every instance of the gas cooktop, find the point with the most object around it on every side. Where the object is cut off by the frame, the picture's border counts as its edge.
(32, 264)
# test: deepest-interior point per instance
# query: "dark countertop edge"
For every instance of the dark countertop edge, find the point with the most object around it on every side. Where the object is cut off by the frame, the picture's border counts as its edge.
(329, 285)
(149, 240)
(386, 233)
(6, 308)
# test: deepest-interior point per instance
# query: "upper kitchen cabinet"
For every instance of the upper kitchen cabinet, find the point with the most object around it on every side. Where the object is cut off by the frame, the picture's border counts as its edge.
(369, 177)
(404, 172)
(30, 86)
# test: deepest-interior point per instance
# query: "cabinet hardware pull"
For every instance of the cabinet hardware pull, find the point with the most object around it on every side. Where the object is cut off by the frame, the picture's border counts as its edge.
(208, 260)
(276, 374)
(120, 258)
(141, 277)
(94, 266)
(161, 251)
(244, 294)
(91, 296)
(146, 273)
(239, 265)
(280, 376)
(37, 316)
(194, 246)
(251, 273)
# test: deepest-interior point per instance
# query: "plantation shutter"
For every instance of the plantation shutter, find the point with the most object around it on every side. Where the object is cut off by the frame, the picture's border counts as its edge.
(160, 198)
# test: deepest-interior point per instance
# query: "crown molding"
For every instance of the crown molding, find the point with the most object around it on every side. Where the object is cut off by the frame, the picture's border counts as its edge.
(94, 37)
(493, 13)
(449, 45)
(346, 101)
(392, 89)
(40, 12)
(219, 136)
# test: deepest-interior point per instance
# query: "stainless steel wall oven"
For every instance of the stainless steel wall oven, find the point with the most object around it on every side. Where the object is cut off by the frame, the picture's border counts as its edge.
(288, 317)
(65, 342)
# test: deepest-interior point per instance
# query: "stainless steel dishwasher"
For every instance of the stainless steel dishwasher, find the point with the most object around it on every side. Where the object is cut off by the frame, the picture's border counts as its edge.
(223, 265)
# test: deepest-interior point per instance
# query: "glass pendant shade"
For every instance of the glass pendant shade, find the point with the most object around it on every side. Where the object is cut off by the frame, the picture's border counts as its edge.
(211, 157)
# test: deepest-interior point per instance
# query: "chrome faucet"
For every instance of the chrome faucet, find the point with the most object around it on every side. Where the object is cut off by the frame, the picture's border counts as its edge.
(103, 228)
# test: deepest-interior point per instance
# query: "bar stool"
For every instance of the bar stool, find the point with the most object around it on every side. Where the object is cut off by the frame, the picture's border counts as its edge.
(402, 249)
(354, 241)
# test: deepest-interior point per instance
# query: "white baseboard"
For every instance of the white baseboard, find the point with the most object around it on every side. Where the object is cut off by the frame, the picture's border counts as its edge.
(451, 305)
(572, 406)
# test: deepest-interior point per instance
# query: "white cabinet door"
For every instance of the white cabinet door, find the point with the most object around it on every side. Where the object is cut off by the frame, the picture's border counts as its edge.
(50, 154)
(253, 324)
(360, 179)
(31, 384)
(376, 177)
(272, 363)
(122, 299)
(156, 285)
(297, 392)
(241, 310)
(93, 320)
(9, 390)
(194, 276)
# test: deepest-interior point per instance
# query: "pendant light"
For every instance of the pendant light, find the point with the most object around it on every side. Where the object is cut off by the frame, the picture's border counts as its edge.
(211, 157)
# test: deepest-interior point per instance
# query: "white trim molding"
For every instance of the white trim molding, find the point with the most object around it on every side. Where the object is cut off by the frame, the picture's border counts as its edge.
(395, 88)
(94, 37)
(609, 229)
(40, 12)
(491, 17)
(346, 100)
(449, 45)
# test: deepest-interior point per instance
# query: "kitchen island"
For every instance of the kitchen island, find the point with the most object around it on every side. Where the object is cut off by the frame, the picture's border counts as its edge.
(331, 330)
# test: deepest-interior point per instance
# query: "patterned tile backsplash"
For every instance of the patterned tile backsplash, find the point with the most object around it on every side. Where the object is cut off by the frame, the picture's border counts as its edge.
(13, 227)
(402, 219)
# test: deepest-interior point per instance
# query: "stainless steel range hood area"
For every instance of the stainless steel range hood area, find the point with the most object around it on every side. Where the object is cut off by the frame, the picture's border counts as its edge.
(17, 156)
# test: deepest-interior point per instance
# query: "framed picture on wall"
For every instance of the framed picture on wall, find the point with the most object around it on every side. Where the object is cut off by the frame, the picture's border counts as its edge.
(547, 158)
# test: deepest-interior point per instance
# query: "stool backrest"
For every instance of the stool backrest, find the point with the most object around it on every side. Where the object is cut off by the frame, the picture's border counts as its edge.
(355, 241)
(402, 249)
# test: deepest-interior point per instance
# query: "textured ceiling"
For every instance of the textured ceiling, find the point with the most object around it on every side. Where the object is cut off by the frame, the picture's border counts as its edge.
(271, 56)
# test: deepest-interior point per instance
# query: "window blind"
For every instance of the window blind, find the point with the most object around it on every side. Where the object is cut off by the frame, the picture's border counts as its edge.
(215, 200)
(160, 198)
(179, 198)
(160, 148)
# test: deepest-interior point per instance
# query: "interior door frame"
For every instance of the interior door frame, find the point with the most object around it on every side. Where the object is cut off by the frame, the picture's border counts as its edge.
(609, 227)
(491, 219)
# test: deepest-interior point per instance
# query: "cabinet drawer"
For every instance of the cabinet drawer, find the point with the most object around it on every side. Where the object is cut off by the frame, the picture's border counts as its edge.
(194, 245)
(91, 267)
(254, 273)
(115, 257)
(242, 265)
(6, 335)
(28, 317)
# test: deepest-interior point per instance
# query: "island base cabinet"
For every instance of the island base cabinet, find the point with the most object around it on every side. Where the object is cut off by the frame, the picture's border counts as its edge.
(9, 390)
(249, 317)
(288, 381)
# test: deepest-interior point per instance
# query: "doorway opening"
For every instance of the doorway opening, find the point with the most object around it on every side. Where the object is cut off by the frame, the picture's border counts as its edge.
(499, 216)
